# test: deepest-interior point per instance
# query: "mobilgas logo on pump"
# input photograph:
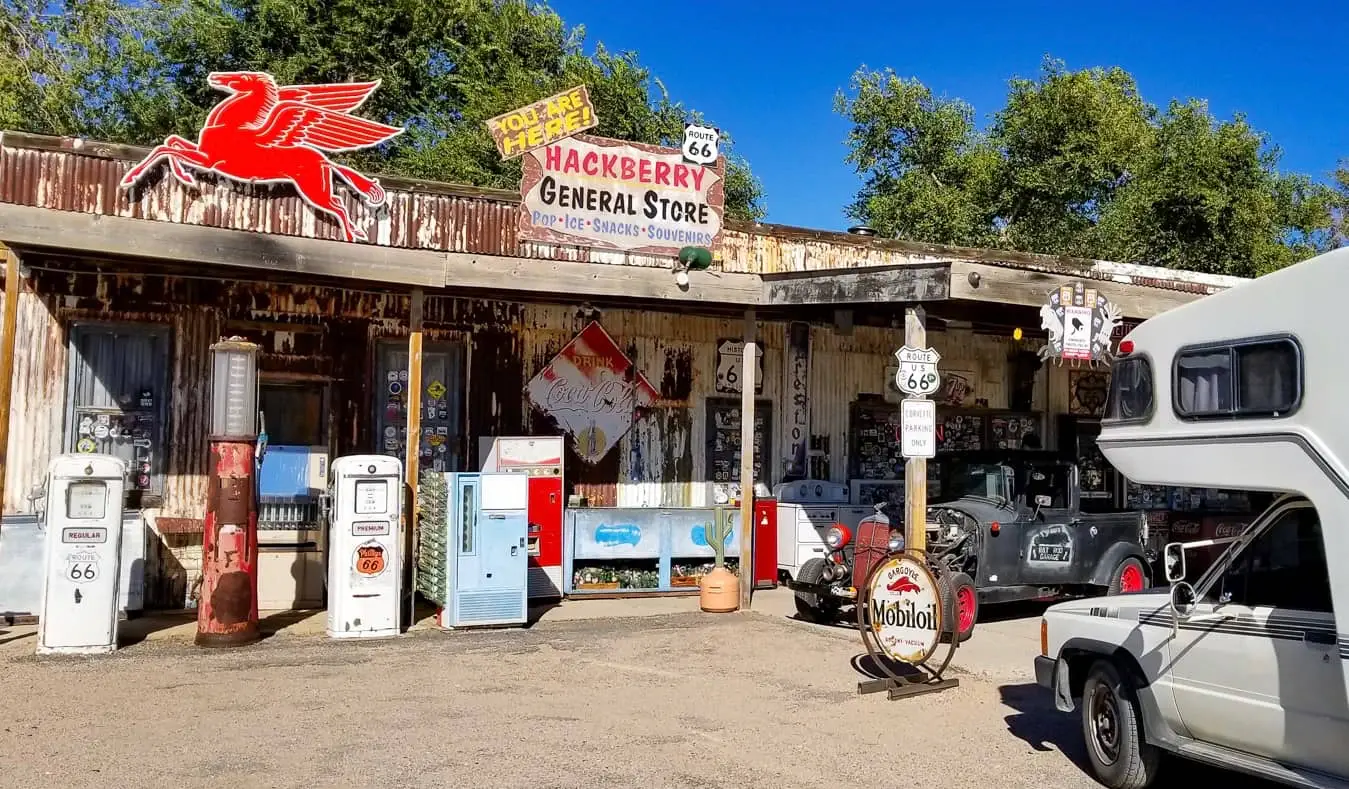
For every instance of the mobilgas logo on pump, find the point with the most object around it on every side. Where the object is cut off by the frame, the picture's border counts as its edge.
(905, 609)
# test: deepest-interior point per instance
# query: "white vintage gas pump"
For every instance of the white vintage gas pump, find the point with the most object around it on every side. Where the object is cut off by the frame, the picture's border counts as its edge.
(85, 495)
(365, 547)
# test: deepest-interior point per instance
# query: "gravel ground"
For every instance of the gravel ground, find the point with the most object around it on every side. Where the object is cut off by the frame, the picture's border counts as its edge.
(673, 701)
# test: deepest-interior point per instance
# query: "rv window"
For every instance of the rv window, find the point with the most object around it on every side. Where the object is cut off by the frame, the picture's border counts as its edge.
(1285, 567)
(1267, 377)
(1130, 396)
(1204, 382)
(1243, 379)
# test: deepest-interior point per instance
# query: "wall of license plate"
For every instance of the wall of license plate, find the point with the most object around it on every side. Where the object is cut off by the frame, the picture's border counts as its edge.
(441, 440)
(131, 433)
(117, 391)
(723, 444)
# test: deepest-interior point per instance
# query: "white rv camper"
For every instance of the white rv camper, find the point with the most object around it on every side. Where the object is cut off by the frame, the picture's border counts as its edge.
(1244, 666)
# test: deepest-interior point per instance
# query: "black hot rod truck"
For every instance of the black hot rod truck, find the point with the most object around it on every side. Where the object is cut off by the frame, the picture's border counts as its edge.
(1013, 530)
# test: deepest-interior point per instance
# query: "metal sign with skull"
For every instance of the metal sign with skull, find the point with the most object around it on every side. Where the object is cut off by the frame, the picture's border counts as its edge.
(1079, 322)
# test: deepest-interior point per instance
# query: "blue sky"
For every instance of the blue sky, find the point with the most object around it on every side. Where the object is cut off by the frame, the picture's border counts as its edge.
(767, 72)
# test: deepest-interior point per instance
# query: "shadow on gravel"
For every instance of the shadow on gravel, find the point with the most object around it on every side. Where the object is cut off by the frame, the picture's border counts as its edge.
(8, 636)
(1037, 723)
(867, 666)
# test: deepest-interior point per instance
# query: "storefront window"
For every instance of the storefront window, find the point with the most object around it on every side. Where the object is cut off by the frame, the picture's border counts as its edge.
(1130, 390)
(118, 400)
(1246, 379)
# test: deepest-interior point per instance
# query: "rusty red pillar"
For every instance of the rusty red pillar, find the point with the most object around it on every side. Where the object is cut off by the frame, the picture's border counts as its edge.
(227, 610)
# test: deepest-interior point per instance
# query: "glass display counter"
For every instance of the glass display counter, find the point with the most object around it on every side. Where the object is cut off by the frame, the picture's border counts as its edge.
(632, 551)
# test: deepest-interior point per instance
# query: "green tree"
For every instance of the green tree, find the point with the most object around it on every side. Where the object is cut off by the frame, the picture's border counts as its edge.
(929, 173)
(1077, 163)
(135, 72)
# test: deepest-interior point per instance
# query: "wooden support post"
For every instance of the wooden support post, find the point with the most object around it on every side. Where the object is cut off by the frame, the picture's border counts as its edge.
(7, 329)
(748, 365)
(412, 465)
(915, 469)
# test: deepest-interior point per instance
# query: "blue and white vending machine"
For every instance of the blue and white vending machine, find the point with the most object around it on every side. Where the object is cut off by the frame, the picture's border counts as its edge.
(488, 553)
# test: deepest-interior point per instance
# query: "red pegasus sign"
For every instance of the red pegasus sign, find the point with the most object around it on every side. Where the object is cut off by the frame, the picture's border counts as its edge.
(903, 584)
(265, 133)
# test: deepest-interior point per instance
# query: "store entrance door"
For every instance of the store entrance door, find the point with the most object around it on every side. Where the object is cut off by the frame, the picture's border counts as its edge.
(291, 481)
(442, 442)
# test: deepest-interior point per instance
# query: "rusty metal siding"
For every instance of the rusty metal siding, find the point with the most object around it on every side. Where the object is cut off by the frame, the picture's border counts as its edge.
(38, 400)
(194, 330)
(331, 334)
(84, 176)
(845, 367)
(71, 175)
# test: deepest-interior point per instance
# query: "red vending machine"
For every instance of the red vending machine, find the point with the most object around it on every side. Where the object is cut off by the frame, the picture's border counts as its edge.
(541, 458)
(765, 543)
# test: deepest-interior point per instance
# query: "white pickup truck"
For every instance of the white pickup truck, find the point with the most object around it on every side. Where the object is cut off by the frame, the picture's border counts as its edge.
(1247, 665)
(1242, 669)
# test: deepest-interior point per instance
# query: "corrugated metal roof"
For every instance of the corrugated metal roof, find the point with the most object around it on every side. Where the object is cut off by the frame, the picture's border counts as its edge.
(67, 174)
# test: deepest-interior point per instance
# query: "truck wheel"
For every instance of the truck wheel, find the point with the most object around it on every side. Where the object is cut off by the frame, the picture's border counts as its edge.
(1113, 729)
(960, 605)
(1128, 577)
(809, 606)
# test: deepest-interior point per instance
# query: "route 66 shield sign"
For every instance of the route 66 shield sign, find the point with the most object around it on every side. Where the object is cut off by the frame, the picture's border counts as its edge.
(701, 144)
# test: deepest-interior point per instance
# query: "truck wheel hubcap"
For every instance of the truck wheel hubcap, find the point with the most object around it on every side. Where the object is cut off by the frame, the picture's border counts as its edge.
(1131, 579)
(965, 602)
(1105, 725)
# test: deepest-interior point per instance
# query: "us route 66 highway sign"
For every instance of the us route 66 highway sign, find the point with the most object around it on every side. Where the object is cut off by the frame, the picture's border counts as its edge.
(701, 144)
(917, 374)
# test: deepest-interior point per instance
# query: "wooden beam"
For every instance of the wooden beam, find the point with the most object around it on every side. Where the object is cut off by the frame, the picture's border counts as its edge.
(173, 242)
(869, 285)
(8, 326)
(538, 275)
(749, 363)
(412, 464)
(1004, 285)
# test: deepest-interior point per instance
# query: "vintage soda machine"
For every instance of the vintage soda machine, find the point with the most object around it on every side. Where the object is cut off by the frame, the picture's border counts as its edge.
(365, 547)
(538, 458)
(292, 482)
(85, 495)
(486, 550)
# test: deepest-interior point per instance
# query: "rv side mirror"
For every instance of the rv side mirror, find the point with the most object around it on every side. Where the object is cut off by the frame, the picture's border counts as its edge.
(1182, 599)
(1174, 556)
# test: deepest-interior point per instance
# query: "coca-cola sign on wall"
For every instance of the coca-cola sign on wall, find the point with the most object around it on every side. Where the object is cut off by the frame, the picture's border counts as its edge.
(592, 391)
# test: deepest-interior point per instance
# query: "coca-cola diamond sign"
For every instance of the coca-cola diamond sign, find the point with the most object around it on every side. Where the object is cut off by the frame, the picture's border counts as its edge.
(593, 392)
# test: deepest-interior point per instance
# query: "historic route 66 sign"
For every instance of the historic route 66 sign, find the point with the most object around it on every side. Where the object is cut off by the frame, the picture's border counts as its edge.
(917, 375)
(730, 362)
(701, 144)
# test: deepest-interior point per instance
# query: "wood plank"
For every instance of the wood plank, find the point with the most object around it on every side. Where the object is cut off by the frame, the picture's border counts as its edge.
(1001, 284)
(180, 243)
(8, 327)
(599, 279)
(748, 363)
(92, 234)
(869, 285)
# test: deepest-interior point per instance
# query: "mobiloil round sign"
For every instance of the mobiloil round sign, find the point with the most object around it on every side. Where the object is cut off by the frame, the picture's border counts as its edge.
(905, 609)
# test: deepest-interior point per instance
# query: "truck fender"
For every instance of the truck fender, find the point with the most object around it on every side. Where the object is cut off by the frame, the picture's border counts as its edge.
(1081, 652)
(1105, 566)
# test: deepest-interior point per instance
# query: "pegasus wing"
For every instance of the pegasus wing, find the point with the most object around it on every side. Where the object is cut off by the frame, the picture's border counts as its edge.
(341, 97)
(292, 123)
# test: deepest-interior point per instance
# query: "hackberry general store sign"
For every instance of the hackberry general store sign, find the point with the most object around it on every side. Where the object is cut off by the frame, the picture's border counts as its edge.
(610, 194)
(592, 391)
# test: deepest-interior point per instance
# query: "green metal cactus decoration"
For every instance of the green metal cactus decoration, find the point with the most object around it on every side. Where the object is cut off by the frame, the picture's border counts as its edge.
(718, 533)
